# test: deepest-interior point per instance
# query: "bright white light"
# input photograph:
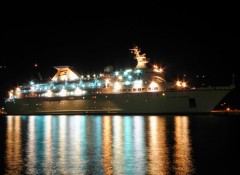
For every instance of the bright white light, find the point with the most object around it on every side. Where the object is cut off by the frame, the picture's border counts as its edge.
(63, 92)
(48, 93)
(137, 84)
(18, 91)
(153, 85)
(184, 84)
(107, 82)
(117, 86)
(127, 82)
(129, 76)
(178, 83)
(32, 88)
(78, 91)
(138, 71)
(10, 94)
(120, 77)
(181, 84)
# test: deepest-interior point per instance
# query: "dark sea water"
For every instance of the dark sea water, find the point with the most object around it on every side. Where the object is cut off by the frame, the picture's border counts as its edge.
(120, 144)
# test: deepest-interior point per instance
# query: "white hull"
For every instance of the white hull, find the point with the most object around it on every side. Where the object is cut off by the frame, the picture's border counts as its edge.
(185, 101)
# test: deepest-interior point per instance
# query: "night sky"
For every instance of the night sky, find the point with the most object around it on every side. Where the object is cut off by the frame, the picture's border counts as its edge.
(187, 39)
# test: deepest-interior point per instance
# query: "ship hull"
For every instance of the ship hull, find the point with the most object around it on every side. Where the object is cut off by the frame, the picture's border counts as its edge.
(185, 101)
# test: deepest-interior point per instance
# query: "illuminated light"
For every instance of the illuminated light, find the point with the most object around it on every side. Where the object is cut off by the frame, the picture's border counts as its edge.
(184, 84)
(129, 76)
(48, 93)
(99, 84)
(120, 77)
(18, 91)
(31, 82)
(73, 86)
(72, 76)
(78, 91)
(63, 92)
(35, 65)
(10, 94)
(178, 83)
(116, 73)
(181, 84)
(228, 109)
(128, 70)
(137, 84)
(92, 85)
(64, 77)
(153, 85)
(32, 88)
(160, 70)
(138, 71)
(107, 81)
(117, 86)
(163, 94)
(127, 82)
(55, 79)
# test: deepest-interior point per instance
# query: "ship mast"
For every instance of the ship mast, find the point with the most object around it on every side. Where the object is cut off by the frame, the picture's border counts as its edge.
(141, 58)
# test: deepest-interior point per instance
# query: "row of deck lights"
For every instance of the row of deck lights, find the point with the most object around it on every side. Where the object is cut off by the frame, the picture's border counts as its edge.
(76, 86)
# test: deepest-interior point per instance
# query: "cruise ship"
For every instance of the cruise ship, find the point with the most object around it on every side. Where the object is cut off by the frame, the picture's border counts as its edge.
(140, 90)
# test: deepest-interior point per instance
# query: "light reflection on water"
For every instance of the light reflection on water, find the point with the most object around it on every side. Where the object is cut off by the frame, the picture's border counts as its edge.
(182, 157)
(96, 144)
(158, 150)
(14, 145)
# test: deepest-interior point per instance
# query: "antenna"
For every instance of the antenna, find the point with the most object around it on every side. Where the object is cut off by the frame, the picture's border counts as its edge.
(40, 76)
(141, 58)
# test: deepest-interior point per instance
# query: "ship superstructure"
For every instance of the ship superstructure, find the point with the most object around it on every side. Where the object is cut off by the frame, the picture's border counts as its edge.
(142, 89)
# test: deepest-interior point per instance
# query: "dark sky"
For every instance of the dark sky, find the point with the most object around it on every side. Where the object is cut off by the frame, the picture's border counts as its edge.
(192, 39)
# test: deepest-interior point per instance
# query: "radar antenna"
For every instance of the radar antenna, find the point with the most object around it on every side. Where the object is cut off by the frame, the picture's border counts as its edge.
(141, 58)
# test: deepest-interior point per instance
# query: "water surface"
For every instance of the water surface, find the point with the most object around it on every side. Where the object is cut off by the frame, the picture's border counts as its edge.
(119, 144)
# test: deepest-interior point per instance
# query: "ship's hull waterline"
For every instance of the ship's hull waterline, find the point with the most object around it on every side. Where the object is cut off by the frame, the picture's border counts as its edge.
(185, 101)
